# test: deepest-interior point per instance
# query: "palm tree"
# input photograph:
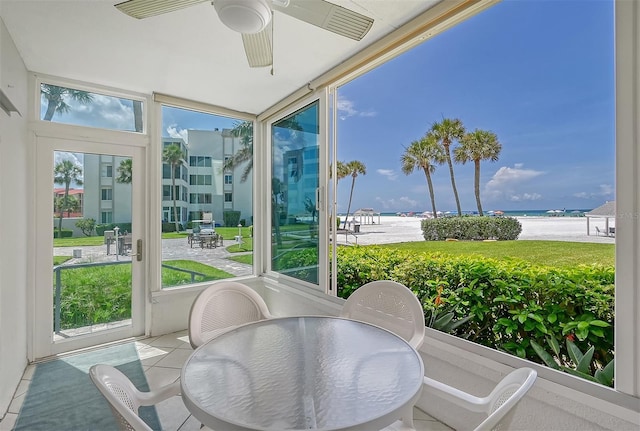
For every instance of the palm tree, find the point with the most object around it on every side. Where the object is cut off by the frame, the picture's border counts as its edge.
(172, 155)
(55, 99)
(341, 170)
(125, 172)
(137, 115)
(424, 154)
(243, 130)
(65, 172)
(353, 168)
(446, 132)
(476, 146)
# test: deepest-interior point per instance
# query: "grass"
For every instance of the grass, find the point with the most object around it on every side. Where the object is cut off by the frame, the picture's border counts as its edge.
(59, 260)
(551, 253)
(172, 277)
(243, 258)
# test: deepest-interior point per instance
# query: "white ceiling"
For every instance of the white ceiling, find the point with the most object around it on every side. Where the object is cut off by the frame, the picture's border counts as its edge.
(188, 53)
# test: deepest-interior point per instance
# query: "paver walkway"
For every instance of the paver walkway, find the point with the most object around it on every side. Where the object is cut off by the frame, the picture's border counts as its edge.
(172, 249)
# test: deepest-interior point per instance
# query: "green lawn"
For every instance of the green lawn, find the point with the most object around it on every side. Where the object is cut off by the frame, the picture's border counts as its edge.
(243, 258)
(552, 253)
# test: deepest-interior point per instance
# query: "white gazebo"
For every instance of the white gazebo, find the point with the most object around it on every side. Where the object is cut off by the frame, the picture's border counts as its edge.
(606, 211)
(366, 216)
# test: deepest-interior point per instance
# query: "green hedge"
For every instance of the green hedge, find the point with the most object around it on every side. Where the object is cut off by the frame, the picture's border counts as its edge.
(471, 228)
(100, 228)
(66, 233)
(231, 218)
(511, 302)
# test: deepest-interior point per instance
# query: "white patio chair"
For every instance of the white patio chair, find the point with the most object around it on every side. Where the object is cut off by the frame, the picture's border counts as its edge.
(125, 399)
(394, 307)
(221, 307)
(498, 405)
(390, 305)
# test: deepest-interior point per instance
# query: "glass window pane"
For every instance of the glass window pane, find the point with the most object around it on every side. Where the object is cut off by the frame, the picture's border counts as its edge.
(84, 108)
(203, 147)
(91, 268)
(294, 180)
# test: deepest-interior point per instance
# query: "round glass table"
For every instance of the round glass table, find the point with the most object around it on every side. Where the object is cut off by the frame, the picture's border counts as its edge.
(299, 373)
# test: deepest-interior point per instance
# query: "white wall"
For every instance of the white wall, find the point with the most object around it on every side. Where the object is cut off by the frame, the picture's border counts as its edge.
(14, 223)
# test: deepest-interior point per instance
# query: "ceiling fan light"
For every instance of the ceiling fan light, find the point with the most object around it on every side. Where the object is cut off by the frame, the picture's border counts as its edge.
(244, 16)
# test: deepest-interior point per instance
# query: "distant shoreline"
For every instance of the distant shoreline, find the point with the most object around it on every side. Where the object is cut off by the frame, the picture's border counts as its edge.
(505, 213)
(393, 228)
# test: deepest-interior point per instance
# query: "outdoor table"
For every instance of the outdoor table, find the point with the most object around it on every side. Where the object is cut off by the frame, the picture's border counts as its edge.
(296, 373)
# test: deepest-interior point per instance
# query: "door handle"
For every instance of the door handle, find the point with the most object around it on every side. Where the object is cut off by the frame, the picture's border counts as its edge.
(139, 250)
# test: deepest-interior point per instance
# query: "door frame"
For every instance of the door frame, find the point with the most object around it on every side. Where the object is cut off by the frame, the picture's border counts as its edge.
(323, 174)
(42, 301)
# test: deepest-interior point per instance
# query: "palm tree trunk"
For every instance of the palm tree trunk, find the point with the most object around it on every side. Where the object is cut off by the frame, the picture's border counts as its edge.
(476, 186)
(353, 183)
(453, 180)
(276, 221)
(431, 194)
(51, 109)
(137, 115)
(175, 205)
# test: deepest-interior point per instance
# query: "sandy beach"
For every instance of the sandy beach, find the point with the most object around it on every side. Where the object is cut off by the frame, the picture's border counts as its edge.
(404, 229)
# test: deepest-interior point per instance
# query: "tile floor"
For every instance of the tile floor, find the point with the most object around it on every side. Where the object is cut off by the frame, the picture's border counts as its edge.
(162, 358)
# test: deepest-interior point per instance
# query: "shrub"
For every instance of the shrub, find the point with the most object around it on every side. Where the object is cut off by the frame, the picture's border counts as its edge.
(100, 228)
(231, 218)
(86, 225)
(471, 228)
(512, 302)
(66, 233)
(169, 226)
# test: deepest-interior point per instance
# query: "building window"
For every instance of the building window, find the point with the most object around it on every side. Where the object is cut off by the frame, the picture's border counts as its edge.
(107, 171)
(200, 161)
(228, 197)
(166, 193)
(228, 179)
(200, 198)
(200, 180)
(106, 217)
(107, 194)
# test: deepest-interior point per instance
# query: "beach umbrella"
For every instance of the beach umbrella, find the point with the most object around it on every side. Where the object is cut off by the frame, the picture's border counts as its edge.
(551, 212)
(498, 212)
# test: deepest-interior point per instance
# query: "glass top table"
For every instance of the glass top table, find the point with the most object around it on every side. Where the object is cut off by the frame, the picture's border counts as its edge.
(298, 373)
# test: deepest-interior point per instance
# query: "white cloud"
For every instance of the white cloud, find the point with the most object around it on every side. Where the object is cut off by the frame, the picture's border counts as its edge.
(59, 156)
(526, 197)
(175, 132)
(346, 109)
(106, 112)
(507, 184)
(401, 203)
(389, 173)
(603, 190)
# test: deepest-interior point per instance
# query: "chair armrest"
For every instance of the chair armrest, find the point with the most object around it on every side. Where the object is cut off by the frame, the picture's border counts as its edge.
(456, 396)
(154, 397)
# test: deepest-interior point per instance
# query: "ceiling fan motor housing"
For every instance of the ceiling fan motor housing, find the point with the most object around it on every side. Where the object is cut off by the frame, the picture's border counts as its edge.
(244, 16)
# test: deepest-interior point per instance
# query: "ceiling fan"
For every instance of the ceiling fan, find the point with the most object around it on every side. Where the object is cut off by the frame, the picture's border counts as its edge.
(252, 18)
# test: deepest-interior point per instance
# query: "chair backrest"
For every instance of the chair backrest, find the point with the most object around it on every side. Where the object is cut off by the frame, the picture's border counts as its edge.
(221, 306)
(122, 395)
(502, 400)
(499, 405)
(390, 305)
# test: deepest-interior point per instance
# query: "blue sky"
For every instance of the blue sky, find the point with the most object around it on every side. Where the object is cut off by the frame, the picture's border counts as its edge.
(537, 73)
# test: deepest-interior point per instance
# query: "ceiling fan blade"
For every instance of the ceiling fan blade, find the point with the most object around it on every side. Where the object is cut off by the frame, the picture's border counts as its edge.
(258, 47)
(146, 8)
(328, 16)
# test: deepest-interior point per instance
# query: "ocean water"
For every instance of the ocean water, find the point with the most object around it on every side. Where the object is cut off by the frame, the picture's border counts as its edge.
(510, 213)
